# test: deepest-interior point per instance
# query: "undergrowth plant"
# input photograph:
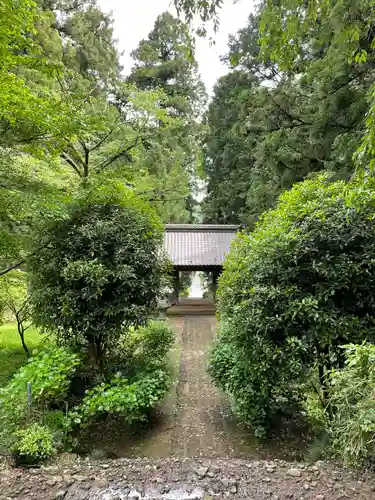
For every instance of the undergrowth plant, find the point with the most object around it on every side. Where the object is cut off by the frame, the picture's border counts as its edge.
(352, 406)
(49, 374)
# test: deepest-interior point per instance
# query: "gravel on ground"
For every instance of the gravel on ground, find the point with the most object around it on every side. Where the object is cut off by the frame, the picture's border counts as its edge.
(187, 478)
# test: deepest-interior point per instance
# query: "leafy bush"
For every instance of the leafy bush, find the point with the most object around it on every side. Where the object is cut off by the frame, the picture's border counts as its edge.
(352, 406)
(131, 400)
(34, 444)
(98, 270)
(50, 373)
(151, 342)
(140, 383)
(294, 290)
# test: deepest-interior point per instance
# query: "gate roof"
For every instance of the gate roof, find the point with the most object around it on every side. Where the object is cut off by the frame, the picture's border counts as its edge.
(198, 245)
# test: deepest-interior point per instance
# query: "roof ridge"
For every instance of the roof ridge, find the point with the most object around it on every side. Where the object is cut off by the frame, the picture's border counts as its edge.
(203, 227)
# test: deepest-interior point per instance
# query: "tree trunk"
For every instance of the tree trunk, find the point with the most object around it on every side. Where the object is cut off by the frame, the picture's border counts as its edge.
(21, 331)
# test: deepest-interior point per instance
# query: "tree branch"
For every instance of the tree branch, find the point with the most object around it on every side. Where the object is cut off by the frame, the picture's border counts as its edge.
(121, 152)
(86, 161)
(65, 157)
(14, 266)
(100, 142)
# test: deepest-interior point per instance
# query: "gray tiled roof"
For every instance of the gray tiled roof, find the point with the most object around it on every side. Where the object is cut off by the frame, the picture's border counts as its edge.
(198, 244)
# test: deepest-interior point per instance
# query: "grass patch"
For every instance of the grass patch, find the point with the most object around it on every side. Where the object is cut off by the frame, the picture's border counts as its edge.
(12, 355)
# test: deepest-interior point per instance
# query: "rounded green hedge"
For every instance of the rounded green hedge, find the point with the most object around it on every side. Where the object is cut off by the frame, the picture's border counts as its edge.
(294, 290)
(97, 269)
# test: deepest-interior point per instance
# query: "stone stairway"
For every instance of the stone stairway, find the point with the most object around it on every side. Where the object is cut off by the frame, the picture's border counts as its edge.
(187, 307)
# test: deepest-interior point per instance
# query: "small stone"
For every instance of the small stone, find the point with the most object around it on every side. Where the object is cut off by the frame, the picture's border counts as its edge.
(201, 471)
(78, 477)
(105, 466)
(306, 487)
(294, 472)
(233, 489)
(313, 484)
(266, 479)
(60, 494)
(211, 473)
(85, 486)
(225, 482)
(319, 497)
(164, 489)
(100, 483)
(134, 494)
(68, 480)
(51, 483)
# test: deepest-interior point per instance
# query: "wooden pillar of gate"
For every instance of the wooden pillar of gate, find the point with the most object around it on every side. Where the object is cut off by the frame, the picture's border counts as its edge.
(176, 285)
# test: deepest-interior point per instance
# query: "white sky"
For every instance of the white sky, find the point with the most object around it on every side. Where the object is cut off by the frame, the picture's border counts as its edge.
(134, 19)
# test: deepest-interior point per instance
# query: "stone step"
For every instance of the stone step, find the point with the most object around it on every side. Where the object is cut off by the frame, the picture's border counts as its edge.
(184, 310)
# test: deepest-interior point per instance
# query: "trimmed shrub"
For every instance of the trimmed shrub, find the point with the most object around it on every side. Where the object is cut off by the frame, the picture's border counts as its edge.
(98, 270)
(294, 290)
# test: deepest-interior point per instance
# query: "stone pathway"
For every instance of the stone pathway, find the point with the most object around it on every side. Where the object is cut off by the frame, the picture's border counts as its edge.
(199, 425)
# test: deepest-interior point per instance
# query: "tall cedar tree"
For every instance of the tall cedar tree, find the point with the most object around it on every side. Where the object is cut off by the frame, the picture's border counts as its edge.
(166, 60)
(269, 129)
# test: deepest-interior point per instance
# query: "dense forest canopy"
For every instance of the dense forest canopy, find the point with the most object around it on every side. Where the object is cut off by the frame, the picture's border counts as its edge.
(283, 124)
(71, 119)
